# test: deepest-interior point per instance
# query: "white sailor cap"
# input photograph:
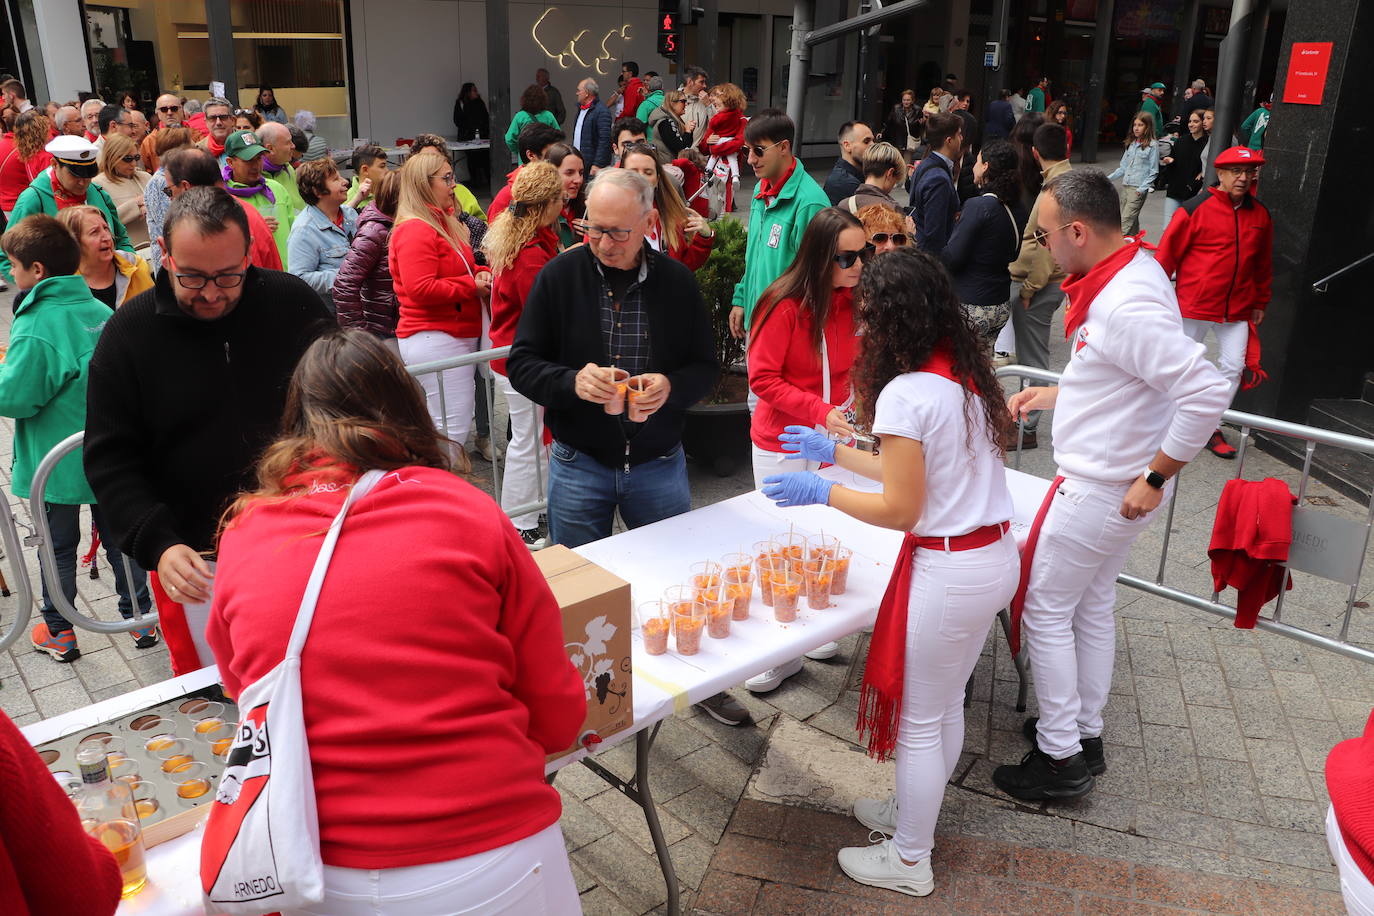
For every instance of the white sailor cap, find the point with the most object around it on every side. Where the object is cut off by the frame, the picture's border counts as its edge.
(73, 151)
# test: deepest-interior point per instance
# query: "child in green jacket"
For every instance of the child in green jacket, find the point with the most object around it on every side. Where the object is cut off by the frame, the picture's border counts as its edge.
(43, 387)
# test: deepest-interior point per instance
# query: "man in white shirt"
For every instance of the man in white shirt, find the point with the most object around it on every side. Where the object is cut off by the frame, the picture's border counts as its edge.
(16, 96)
(1136, 403)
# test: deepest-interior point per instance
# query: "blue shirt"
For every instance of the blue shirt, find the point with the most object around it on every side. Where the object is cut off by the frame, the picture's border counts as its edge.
(316, 248)
(1139, 165)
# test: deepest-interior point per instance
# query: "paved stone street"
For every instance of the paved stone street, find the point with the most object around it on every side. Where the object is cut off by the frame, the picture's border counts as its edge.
(1213, 801)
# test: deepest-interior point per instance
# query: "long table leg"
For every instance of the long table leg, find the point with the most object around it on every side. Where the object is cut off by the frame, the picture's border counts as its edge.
(637, 790)
(1019, 660)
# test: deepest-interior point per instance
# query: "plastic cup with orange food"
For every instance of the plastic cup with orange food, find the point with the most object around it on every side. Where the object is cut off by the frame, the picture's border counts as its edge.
(787, 587)
(688, 621)
(819, 574)
(616, 405)
(654, 624)
(765, 558)
(843, 555)
(822, 545)
(705, 576)
(718, 608)
(738, 572)
(634, 390)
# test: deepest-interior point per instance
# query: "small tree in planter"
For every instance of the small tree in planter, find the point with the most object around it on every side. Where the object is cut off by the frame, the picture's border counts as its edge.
(717, 431)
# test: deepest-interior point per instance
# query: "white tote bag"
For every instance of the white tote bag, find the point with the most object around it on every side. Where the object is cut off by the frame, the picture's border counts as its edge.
(261, 849)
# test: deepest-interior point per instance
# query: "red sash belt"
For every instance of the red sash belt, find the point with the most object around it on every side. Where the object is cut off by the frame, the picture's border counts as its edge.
(1018, 602)
(880, 700)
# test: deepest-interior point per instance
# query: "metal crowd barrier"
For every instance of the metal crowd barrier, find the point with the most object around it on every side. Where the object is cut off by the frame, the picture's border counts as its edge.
(47, 558)
(1324, 544)
(18, 582)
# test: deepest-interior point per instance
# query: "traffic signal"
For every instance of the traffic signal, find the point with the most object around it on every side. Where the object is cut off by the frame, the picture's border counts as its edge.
(669, 32)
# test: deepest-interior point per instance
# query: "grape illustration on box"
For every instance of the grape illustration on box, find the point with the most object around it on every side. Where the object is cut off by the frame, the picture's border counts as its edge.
(596, 664)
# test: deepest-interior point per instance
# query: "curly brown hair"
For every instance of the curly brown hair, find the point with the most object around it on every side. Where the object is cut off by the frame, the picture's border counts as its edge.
(908, 310)
(313, 177)
(534, 100)
(32, 131)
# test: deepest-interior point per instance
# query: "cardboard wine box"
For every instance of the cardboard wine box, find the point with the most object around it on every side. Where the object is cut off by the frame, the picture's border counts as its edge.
(596, 632)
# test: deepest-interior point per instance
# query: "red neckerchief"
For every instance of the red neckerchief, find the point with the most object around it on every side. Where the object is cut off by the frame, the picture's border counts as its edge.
(1082, 289)
(880, 698)
(769, 189)
(215, 149)
(60, 195)
(338, 217)
(588, 105)
(91, 137)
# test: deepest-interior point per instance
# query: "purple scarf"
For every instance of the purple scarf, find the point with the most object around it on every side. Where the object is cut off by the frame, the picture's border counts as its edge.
(271, 167)
(246, 190)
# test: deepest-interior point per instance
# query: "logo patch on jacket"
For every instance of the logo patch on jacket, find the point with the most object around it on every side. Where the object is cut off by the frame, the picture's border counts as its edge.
(1081, 340)
(775, 235)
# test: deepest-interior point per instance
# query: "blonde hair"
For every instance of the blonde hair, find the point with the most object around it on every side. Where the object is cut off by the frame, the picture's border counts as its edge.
(416, 199)
(535, 188)
(73, 219)
(115, 148)
(672, 209)
(730, 95)
(671, 98)
(881, 218)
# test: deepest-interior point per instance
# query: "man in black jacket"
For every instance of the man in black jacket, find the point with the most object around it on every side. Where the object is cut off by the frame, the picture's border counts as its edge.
(846, 176)
(187, 386)
(596, 312)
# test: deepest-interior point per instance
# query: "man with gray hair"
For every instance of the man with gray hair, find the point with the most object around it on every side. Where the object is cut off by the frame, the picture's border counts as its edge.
(68, 121)
(318, 148)
(653, 98)
(1137, 402)
(219, 121)
(615, 344)
(90, 117)
(1197, 98)
(552, 95)
(592, 131)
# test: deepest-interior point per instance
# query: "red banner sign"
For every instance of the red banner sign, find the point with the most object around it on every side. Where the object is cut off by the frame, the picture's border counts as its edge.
(1307, 73)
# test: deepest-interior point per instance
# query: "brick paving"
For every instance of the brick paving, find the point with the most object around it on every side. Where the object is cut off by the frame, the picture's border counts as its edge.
(1213, 801)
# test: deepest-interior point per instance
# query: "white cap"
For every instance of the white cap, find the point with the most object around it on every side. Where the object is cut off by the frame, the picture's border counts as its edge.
(72, 150)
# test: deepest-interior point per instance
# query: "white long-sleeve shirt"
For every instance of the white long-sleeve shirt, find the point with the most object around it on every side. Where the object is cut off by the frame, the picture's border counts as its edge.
(1135, 383)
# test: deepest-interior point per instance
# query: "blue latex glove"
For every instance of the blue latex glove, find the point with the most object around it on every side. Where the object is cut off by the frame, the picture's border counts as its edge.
(799, 488)
(806, 443)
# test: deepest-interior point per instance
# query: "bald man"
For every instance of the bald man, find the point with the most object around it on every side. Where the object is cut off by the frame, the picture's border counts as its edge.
(276, 137)
(169, 114)
(68, 121)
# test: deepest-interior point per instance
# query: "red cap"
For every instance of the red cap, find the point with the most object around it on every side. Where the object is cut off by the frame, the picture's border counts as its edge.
(1239, 155)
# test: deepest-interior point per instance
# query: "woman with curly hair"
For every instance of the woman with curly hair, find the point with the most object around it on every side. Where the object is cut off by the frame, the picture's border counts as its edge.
(925, 385)
(987, 239)
(518, 245)
(534, 106)
(887, 228)
(22, 156)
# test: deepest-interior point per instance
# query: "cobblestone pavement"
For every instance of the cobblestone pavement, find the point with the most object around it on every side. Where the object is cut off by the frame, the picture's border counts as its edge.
(1213, 801)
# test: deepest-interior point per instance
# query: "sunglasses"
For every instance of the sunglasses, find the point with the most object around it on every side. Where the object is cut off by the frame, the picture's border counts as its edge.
(223, 117)
(880, 238)
(758, 151)
(846, 259)
(168, 108)
(1042, 236)
(134, 158)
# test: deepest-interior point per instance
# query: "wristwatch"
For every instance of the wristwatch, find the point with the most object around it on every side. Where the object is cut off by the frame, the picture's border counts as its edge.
(1154, 478)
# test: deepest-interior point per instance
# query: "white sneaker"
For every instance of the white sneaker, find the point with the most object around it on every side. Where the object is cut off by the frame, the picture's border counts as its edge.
(821, 653)
(1001, 359)
(773, 677)
(877, 813)
(879, 865)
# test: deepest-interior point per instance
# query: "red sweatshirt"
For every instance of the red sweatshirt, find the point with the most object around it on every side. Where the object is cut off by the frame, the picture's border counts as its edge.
(434, 679)
(262, 248)
(785, 371)
(502, 199)
(15, 173)
(727, 123)
(434, 282)
(694, 253)
(48, 863)
(1250, 538)
(1223, 256)
(633, 95)
(511, 287)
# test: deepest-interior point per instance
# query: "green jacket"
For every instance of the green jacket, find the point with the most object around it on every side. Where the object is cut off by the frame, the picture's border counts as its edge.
(1150, 105)
(775, 233)
(646, 107)
(287, 179)
(37, 198)
(1035, 100)
(43, 382)
(1252, 131)
(517, 123)
(281, 210)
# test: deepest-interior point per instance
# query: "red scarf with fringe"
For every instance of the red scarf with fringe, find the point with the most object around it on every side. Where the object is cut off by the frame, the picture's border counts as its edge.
(880, 698)
(1082, 289)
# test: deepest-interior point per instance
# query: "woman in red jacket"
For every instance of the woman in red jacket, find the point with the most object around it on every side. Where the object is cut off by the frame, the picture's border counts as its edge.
(22, 156)
(684, 234)
(802, 343)
(518, 245)
(427, 741)
(439, 288)
(725, 136)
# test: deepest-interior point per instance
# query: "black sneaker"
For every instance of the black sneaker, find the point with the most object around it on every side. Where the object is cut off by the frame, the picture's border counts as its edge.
(144, 637)
(533, 539)
(1092, 747)
(1039, 776)
(724, 708)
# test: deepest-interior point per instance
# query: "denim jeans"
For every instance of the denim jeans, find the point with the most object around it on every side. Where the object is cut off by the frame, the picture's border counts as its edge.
(584, 494)
(65, 524)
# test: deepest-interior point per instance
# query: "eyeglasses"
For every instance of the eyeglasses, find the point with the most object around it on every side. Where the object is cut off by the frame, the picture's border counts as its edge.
(134, 158)
(626, 144)
(881, 238)
(223, 117)
(758, 151)
(450, 179)
(227, 280)
(1249, 172)
(1042, 236)
(596, 232)
(846, 259)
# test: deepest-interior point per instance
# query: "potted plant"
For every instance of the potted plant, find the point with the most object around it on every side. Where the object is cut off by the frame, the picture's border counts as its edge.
(717, 429)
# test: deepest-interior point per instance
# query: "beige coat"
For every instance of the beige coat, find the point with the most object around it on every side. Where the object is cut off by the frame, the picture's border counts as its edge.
(1036, 267)
(127, 195)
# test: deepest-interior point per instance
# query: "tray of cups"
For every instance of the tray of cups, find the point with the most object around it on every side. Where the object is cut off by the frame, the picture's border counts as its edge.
(171, 754)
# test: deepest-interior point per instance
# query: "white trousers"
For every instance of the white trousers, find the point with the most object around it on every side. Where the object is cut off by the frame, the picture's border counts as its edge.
(1232, 337)
(528, 876)
(768, 463)
(1006, 338)
(1355, 887)
(450, 394)
(527, 460)
(955, 597)
(1069, 617)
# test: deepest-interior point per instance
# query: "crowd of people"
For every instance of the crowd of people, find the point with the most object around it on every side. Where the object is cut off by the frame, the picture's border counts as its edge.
(232, 331)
